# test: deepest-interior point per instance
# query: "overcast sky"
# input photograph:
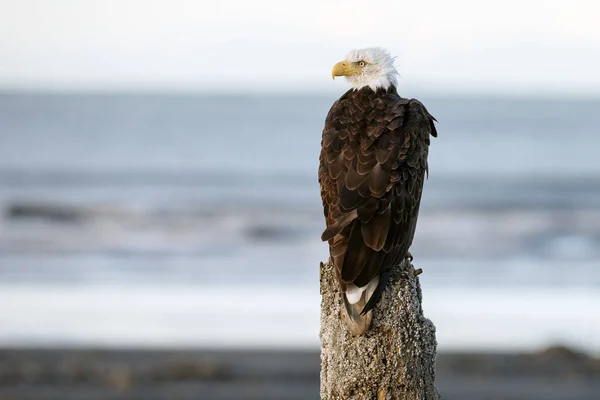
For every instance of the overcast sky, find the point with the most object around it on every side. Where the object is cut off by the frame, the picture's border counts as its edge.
(468, 45)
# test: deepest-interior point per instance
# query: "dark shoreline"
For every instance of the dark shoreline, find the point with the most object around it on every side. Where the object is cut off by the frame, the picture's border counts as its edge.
(555, 373)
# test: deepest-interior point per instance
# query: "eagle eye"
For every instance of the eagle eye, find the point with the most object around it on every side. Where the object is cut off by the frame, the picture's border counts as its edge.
(361, 63)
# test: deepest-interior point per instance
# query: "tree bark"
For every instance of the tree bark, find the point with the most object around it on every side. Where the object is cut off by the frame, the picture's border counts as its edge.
(394, 360)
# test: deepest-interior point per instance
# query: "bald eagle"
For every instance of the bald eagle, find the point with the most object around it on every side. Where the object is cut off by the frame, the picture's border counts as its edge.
(372, 166)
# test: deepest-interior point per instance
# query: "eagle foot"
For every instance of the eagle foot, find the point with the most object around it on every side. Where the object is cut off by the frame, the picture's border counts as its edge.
(409, 256)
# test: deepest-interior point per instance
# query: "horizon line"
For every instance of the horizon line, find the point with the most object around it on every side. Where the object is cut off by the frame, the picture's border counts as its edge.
(292, 92)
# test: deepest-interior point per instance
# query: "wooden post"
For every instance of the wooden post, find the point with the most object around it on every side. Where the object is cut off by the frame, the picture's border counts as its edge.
(394, 360)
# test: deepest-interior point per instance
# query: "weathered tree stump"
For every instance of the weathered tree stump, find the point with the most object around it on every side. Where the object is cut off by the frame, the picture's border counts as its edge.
(394, 360)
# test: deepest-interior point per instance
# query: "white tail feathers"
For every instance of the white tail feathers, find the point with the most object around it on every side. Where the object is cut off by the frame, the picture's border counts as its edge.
(354, 293)
(355, 300)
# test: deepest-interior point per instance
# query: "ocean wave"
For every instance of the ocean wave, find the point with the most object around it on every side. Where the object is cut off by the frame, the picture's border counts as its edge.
(43, 211)
(160, 315)
(194, 230)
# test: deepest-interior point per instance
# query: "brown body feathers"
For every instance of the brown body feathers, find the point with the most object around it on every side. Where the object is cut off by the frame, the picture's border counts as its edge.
(371, 170)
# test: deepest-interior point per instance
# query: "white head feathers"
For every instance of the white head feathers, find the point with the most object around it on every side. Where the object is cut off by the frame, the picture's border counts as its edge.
(378, 70)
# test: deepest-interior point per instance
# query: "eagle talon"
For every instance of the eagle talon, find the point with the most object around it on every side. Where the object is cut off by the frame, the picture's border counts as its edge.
(418, 271)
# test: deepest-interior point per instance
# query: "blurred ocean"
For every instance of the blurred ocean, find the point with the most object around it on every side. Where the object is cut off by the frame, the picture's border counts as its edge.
(195, 220)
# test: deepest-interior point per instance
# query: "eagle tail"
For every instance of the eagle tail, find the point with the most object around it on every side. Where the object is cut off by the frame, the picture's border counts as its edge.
(355, 300)
(356, 322)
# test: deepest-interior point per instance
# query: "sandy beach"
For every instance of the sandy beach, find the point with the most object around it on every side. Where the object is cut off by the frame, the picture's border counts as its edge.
(35, 374)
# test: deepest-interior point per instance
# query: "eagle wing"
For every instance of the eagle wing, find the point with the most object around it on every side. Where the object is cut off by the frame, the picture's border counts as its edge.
(372, 166)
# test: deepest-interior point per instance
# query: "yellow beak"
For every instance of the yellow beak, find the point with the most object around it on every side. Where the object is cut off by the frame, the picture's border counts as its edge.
(343, 68)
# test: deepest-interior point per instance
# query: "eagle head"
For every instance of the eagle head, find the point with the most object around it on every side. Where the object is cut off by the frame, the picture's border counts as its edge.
(371, 67)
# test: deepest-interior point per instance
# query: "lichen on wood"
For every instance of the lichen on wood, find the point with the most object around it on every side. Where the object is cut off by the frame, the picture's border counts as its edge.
(394, 360)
